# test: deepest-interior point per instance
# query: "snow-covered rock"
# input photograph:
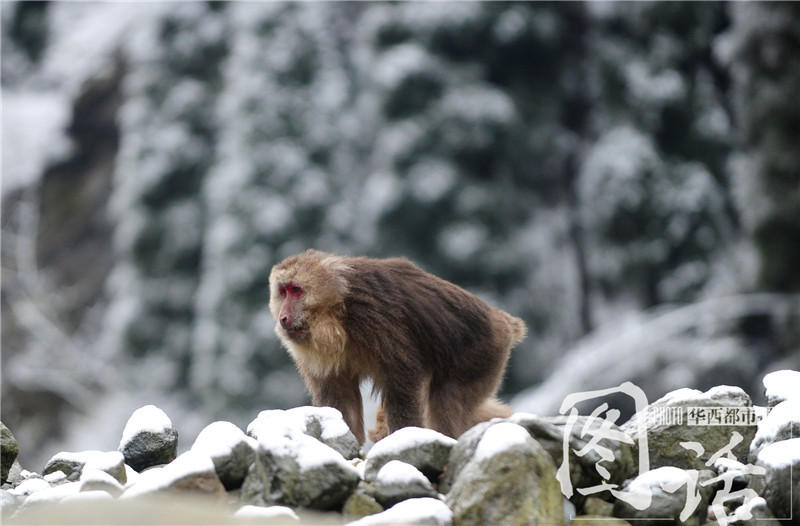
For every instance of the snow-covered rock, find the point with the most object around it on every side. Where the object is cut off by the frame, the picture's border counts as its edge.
(397, 481)
(231, 450)
(73, 463)
(509, 479)
(417, 512)
(668, 437)
(52, 494)
(295, 469)
(93, 479)
(782, 423)
(192, 471)
(781, 385)
(780, 484)
(148, 438)
(326, 424)
(425, 449)
(30, 486)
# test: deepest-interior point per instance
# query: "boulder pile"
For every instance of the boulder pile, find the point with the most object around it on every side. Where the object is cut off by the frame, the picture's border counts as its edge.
(691, 457)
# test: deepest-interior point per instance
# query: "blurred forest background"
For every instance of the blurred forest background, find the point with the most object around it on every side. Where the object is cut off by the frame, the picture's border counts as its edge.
(623, 176)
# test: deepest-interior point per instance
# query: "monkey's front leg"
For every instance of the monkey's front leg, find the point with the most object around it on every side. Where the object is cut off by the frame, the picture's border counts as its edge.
(343, 393)
(403, 406)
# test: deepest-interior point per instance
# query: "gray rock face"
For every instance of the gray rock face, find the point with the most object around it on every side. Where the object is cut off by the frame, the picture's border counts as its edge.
(9, 449)
(509, 479)
(148, 439)
(667, 439)
(72, 464)
(361, 503)
(397, 481)
(663, 494)
(780, 485)
(425, 449)
(230, 449)
(326, 424)
(298, 470)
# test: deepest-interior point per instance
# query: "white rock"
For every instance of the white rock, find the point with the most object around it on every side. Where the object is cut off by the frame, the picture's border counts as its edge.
(500, 437)
(262, 513)
(782, 385)
(408, 438)
(55, 476)
(397, 472)
(30, 486)
(93, 480)
(186, 466)
(411, 511)
(147, 418)
(218, 439)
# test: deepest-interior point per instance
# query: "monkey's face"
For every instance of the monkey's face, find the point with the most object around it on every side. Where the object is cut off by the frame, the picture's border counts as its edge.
(291, 313)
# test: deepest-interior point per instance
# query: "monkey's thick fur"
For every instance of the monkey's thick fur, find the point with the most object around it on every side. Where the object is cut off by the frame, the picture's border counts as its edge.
(435, 352)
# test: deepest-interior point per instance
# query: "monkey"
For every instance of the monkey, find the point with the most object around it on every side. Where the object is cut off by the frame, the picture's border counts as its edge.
(435, 352)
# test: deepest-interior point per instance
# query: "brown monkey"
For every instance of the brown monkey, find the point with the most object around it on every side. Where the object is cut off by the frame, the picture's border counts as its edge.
(435, 352)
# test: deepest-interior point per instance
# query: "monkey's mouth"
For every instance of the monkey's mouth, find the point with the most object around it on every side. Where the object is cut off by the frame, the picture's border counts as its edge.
(297, 333)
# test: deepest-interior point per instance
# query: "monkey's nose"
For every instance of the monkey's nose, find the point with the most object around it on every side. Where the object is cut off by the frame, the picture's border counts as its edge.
(285, 322)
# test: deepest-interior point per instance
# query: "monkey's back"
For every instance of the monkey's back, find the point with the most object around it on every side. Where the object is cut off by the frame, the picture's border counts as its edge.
(396, 312)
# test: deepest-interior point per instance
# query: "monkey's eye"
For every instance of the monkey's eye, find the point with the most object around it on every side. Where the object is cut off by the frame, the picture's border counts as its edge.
(282, 292)
(295, 291)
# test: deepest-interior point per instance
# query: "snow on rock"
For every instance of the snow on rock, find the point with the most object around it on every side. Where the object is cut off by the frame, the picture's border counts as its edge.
(422, 511)
(781, 385)
(50, 495)
(660, 493)
(425, 449)
(88, 497)
(29, 486)
(95, 480)
(148, 438)
(72, 463)
(782, 422)
(780, 481)
(192, 471)
(267, 514)
(295, 469)
(326, 424)
(397, 481)
(230, 449)
(500, 437)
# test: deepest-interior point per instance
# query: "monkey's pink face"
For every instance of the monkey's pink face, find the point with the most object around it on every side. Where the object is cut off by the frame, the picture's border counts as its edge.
(291, 315)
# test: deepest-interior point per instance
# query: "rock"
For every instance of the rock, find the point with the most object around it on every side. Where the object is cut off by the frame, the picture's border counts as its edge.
(326, 424)
(295, 469)
(781, 385)
(780, 485)
(263, 515)
(598, 507)
(412, 512)
(96, 480)
(667, 437)
(148, 439)
(661, 494)
(30, 486)
(425, 449)
(782, 423)
(72, 463)
(192, 471)
(56, 477)
(9, 449)
(230, 449)
(51, 495)
(753, 512)
(397, 481)
(15, 474)
(510, 479)
(361, 503)
(597, 520)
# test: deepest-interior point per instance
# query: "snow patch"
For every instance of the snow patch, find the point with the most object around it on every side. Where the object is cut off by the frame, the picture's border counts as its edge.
(218, 439)
(781, 454)
(782, 385)
(262, 513)
(499, 438)
(308, 452)
(408, 438)
(412, 511)
(155, 479)
(401, 473)
(148, 418)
